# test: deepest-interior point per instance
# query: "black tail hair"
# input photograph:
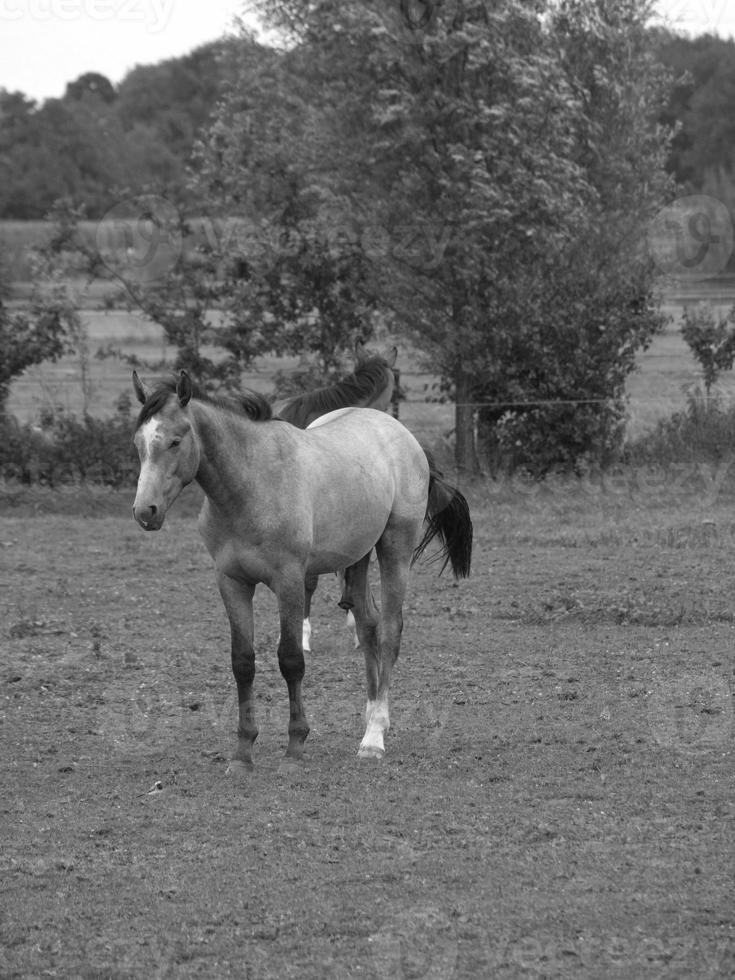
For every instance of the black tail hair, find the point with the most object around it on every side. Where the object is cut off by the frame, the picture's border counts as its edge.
(448, 518)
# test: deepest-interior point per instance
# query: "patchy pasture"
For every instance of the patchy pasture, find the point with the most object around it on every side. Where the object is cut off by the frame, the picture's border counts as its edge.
(556, 798)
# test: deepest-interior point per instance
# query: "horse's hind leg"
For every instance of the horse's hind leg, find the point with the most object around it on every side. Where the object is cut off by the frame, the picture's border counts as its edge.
(311, 583)
(358, 599)
(380, 636)
(346, 602)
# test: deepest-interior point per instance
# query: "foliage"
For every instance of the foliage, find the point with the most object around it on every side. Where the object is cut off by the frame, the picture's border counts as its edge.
(93, 84)
(289, 280)
(510, 173)
(41, 333)
(700, 103)
(66, 449)
(99, 138)
(151, 120)
(704, 432)
(711, 341)
(476, 174)
(26, 341)
(304, 296)
(183, 300)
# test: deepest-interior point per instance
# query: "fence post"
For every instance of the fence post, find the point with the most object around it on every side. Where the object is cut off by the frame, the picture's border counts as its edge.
(396, 396)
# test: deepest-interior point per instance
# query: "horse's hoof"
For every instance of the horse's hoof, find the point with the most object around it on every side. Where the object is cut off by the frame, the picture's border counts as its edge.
(238, 767)
(370, 752)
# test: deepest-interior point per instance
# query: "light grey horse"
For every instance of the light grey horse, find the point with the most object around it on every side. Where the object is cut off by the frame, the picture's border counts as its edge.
(284, 505)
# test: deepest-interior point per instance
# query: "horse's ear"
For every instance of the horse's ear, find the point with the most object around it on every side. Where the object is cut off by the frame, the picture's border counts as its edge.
(184, 389)
(141, 392)
(391, 357)
(360, 350)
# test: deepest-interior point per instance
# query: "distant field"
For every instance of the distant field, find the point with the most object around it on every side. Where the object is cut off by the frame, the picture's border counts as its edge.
(657, 389)
(666, 371)
(16, 238)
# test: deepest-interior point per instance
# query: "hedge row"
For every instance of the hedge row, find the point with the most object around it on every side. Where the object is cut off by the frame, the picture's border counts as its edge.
(66, 449)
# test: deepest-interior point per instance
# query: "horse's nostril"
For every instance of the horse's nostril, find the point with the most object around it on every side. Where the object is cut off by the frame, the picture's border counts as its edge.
(145, 516)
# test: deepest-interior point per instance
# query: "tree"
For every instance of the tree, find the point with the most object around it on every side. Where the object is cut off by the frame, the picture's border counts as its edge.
(699, 104)
(510, 174)
(98, 139)
(91, 85)
(295, 278)
(593, 308)
(711, 341)
(30, 338)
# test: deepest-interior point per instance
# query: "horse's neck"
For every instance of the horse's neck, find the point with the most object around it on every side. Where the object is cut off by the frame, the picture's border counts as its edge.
(382, 398)
(227, 443)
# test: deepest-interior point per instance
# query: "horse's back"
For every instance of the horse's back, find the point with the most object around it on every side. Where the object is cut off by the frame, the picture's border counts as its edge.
(371, 420)
(372, 433)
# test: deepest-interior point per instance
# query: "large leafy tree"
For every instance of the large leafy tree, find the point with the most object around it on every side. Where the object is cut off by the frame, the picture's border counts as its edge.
(585, 319)
(500, 161)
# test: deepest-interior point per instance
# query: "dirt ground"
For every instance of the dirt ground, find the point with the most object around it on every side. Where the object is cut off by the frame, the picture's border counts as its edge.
(556, 799)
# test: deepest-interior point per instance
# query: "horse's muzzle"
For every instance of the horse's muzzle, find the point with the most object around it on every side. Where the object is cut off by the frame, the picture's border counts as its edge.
(150, 518)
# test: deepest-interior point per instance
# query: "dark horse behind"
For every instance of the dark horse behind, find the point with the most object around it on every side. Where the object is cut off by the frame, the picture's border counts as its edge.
(371, 385)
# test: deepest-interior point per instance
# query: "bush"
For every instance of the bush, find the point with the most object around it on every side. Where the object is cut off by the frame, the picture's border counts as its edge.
(564, 438)
(711, 341)
(66, 449)
(703, 433)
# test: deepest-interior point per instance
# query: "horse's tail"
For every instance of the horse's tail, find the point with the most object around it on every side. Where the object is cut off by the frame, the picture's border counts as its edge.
(448, 518)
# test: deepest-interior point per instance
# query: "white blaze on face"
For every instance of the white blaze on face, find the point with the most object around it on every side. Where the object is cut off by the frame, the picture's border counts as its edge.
(148, 437)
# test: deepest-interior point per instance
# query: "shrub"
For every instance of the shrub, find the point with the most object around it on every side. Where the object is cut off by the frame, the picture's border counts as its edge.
(66, 449)
(563, 437)
(712, 341)
(703, 432)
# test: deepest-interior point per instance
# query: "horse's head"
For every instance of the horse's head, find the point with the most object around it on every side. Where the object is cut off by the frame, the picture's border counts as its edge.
(363, 354)
(167, 446)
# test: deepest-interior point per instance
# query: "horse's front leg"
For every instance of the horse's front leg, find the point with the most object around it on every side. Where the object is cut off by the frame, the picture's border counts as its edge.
(290, 592)
(238, 600)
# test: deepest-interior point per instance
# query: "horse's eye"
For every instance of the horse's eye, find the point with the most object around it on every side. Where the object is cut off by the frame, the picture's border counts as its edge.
(175, 443)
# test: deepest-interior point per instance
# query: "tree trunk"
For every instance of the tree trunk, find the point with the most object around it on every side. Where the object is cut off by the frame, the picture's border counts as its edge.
(465, 450)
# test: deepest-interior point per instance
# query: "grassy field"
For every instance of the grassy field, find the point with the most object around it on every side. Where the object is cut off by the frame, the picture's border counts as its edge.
(556, 800)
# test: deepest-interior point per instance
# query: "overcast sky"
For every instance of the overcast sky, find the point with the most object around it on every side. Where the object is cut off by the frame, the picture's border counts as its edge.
(46, 43)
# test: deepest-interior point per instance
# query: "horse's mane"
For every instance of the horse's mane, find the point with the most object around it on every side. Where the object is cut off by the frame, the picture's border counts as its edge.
(368, 378)
(250, 404)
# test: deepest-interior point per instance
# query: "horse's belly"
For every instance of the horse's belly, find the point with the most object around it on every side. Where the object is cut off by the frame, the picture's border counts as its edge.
(347, 524)
(338, 551)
